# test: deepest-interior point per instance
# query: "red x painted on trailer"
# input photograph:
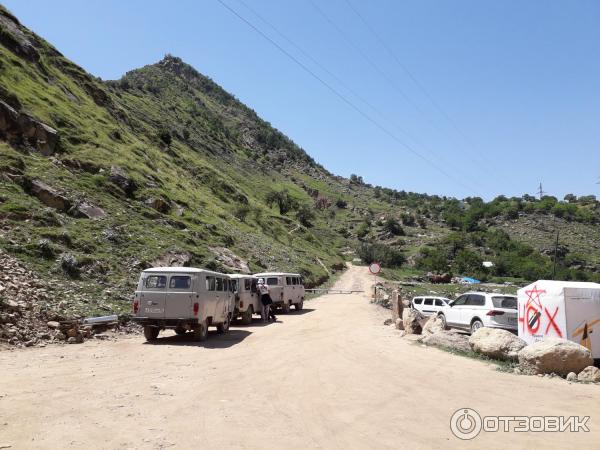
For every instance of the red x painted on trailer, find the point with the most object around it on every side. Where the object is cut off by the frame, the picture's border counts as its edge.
(551, 321)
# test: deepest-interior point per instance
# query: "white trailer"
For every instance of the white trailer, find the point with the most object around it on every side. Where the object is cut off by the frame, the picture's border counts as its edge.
(562, 309)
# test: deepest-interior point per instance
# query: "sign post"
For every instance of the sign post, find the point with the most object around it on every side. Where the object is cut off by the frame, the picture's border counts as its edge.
(375, 268)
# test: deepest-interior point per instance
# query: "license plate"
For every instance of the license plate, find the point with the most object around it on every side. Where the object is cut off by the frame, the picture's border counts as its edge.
(154, 310)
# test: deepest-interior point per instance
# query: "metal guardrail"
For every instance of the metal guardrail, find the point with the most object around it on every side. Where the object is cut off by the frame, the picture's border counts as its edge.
(334, 291)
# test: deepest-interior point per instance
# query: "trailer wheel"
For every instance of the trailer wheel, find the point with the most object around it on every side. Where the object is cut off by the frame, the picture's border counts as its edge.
(247, 315)
(180, 331)
(151, 333)
(224, 327)
(285, 307)
(299, 306)
(201, 331)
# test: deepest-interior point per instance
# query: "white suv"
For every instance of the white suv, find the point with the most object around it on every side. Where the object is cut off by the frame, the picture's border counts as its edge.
(430, 305)
(474, 310)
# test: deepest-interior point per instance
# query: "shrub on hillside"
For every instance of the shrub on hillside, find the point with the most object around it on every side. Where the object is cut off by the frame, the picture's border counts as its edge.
(369, 252)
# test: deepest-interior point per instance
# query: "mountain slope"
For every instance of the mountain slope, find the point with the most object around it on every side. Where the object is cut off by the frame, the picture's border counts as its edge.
(100, 179)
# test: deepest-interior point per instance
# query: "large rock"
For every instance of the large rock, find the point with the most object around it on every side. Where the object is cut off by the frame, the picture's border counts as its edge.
(22, 130)
(433, 325)
(496, 343)
(88, 211)
(450, 340)
(230, 260)
(48, 195)
(158, 204)
(590, 374)
(555, 356)
(173, 259)
(120, 178)
(411, 318)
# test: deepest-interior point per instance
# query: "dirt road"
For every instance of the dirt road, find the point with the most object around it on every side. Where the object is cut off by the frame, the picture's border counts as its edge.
(332, 377)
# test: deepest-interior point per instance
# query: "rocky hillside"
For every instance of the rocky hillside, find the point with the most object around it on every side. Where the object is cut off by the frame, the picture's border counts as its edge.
(101, 179)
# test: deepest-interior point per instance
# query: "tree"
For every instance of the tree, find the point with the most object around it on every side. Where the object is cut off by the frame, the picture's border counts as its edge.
(570, 198)
(392, 226)
(305, 215)
(283, 200)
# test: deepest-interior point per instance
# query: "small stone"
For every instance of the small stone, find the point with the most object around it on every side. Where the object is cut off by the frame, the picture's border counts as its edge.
(572, 376)
(53, 325)
(72, 332)
(517, 371)
(60, 336)
(72, 340)
(387, 322)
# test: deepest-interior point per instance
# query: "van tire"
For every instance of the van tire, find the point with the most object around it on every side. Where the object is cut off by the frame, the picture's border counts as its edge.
(299, 306)
(201, 331)
(247, 315)
(285, 307)
(443, 319)
(476, 325)
(224, 327)
(180, 331)
(151, 333)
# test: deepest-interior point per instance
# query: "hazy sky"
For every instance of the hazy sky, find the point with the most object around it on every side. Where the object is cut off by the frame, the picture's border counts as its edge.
(496, 95)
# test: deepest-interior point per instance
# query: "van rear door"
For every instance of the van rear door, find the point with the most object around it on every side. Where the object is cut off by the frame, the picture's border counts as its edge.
(179, 297)
(153, 296)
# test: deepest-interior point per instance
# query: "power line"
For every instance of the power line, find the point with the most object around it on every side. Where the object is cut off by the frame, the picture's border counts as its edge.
(541, 191)
(342, 97)
(345, 85)
(391, 82)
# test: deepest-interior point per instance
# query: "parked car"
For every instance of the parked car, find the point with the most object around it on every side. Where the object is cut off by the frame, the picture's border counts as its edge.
(183, 299)
(287, 289)
(474, 310)
(247, 301)
(429, 305)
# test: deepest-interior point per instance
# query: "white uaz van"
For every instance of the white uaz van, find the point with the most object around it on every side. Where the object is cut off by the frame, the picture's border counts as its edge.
(247, 300)
(184, 299)
(287, 289)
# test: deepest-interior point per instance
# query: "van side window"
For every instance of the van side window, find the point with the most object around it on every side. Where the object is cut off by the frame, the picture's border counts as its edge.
(253, 287)
(428, 301)
(475, 300)
(418, 301)
(219, 284)
(272, 281)
(295, 280)
(210, 283)
(156, 282)
(180, 282)
(234, 285)
(439, 302)
(288, 281)
(247, 284)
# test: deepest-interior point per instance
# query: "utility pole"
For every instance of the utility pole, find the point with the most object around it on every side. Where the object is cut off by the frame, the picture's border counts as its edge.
(540, 191)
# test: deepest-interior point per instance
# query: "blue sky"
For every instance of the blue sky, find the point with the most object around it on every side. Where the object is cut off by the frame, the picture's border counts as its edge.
(515, 84)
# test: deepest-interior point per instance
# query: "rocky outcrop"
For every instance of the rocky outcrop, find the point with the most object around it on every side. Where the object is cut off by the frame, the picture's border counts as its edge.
(158, 204)
(120, 178)
(22, 130)
(590, 374)
(449, 340)
(496, 343)
(411, 318)
(555, 356)
(88, 211)
(173, 259)
(433, 325)
(48, 195)
(230, 260)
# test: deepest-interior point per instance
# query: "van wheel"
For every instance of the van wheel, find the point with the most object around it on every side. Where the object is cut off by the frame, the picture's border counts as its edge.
(285, 307)
(247, 316)
(476, 325)
(180, 331)
(201, 331)
(151, 333)
(299, 306)
(224, 327)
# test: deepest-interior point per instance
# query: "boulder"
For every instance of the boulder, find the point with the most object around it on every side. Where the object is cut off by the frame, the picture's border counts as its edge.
(23, 130)
(173, 259)
(399, 324)
(554, 355)
(88, 211)
(411, 319)
(49, 196)
(53, 325)
(449, 340)
(496, 343)
(120, 178)
(590, 374)
(230, 260)
(158, 204)
(433, 325)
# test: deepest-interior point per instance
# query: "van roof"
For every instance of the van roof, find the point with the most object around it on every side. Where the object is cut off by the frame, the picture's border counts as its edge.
(180, 269)
(240, 275)
(276, 274)
(431, 296)
(497, 294)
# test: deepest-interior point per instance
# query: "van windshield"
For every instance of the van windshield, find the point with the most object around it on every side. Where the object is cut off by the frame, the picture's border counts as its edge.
(505, 302)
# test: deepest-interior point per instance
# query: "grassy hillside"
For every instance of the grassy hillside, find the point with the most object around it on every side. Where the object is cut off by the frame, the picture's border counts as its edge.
(163, 165)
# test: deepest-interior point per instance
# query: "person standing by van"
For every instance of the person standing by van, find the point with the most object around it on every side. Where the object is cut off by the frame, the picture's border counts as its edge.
(265, 300)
